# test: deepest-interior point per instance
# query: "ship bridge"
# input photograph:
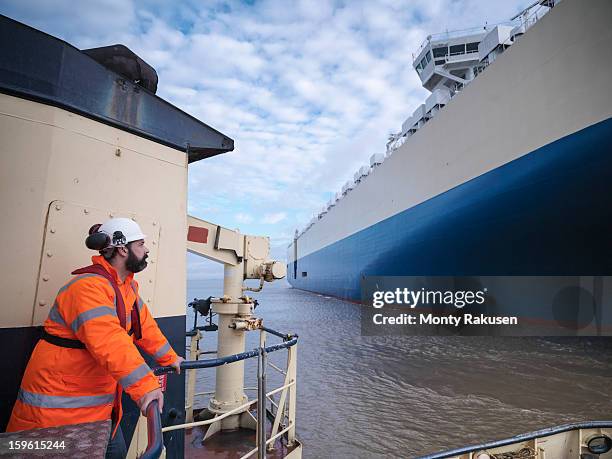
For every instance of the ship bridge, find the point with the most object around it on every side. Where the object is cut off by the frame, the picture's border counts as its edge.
(449, 59)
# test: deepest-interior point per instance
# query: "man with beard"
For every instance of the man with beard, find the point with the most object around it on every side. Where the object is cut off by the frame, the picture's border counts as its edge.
(87, 354)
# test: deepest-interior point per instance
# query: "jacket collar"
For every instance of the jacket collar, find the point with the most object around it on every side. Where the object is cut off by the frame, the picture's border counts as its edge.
(99, 260)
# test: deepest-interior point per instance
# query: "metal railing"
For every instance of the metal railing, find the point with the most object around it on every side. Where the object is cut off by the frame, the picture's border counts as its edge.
(155, 444)
(519, 438)
(210, 363)
(283, 419)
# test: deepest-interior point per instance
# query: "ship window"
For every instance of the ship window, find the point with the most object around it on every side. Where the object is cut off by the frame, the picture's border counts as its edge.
(304, 273)
(428, 57)
(472, 47)
(440, 62)
(457, 49)
(440, 52)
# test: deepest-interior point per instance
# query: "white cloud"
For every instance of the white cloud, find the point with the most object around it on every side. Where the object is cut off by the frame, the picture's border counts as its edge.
(308, 92)
(273, 219)
(244, 218)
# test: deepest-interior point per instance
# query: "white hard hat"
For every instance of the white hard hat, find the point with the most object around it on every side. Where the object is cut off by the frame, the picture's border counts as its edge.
(129, 229)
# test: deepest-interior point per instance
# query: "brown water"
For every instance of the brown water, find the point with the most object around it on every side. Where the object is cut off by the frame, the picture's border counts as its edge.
(370, 397)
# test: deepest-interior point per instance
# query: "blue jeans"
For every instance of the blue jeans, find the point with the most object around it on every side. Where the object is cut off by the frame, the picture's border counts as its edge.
(116, 448)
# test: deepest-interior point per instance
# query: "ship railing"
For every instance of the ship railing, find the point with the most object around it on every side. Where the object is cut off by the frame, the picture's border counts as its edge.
(470, 451)
(533, 13)
(282, 412)
(155, 443)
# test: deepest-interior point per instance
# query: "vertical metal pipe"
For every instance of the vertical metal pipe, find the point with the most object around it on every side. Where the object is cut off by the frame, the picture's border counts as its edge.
(292, 370)
(261, 397)
(229, 387)
(191, 376)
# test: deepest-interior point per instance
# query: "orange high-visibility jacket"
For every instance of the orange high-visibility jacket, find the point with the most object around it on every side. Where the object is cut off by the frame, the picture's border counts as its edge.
(70, 386)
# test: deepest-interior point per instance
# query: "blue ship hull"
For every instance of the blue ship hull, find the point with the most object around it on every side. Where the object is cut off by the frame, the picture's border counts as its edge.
(548, 212)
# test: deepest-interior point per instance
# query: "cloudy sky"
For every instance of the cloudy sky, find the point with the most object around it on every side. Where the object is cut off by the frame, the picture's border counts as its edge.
(308, 90)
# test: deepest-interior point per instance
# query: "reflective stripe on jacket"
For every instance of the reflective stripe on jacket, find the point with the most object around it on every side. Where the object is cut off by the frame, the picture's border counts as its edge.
(70, 386)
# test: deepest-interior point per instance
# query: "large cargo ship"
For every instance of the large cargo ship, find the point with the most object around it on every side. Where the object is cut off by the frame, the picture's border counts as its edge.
(506, 169)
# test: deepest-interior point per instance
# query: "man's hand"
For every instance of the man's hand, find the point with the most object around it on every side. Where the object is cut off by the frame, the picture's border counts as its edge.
(177, 364)
(147, 398)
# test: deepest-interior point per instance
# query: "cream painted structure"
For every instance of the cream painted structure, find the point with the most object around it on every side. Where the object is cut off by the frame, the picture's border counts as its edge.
(519, 103)
(58, 172)
(243, 257)
(61, 173)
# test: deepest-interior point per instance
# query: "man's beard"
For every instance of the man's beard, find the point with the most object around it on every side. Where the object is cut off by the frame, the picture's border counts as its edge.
(133, 263)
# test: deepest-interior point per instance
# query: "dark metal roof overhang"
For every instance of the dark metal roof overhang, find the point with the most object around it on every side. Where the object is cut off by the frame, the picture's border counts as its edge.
(39, 67)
